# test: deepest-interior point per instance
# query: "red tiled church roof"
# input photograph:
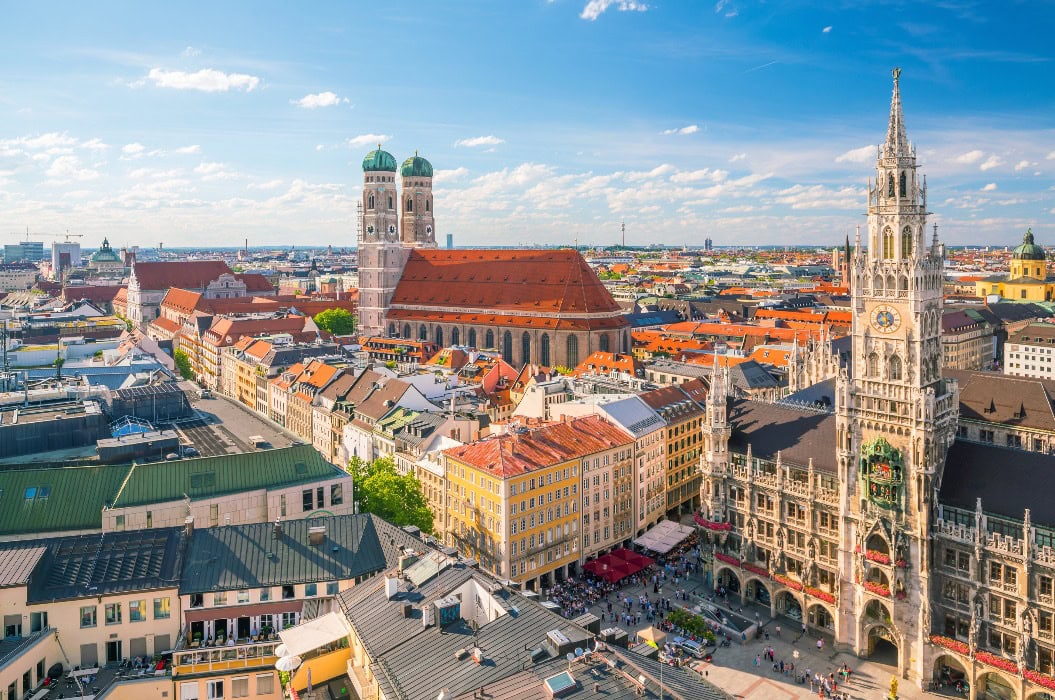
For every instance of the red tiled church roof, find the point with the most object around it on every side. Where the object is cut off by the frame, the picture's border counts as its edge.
(540, 281)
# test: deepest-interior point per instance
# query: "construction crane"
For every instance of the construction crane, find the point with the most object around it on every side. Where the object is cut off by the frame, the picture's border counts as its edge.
(67, 235)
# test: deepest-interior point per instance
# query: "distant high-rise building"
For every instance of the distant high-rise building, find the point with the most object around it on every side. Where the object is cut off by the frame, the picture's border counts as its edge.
(450, 241)
(27, 251)
(708, 244)
(64, 256)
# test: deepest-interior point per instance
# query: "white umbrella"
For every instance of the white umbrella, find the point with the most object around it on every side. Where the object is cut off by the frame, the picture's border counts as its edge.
(288, 663)
(281, 650)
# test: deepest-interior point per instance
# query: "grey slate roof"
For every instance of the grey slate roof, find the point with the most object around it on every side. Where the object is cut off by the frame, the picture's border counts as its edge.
(797, 434)
(17, 562)
(751, 375)
(236, 557)
(1008, 481)
(114, 562)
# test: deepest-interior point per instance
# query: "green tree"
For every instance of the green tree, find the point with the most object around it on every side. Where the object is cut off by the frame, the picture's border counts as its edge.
(336, 321)
(183, 364)
(383, 491)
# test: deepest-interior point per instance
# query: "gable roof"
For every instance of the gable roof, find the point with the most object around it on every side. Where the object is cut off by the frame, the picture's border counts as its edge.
(999, 398)
(187, 274)
(250, 556)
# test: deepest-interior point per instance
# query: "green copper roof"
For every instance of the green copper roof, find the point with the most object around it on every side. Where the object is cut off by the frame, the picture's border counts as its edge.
(379, 160)
(416, 166)
(56, 499)
(1029, 250)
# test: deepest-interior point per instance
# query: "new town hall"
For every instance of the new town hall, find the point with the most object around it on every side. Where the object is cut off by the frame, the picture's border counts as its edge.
(915, 520)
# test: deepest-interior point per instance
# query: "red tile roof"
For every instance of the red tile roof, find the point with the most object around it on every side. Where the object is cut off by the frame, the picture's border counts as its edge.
(525, 450)
(91, 292)
(604, 362)
(489, 319)
(192, 274)
(543, 282)
(181, 300)
(225, 331)
(255, 282)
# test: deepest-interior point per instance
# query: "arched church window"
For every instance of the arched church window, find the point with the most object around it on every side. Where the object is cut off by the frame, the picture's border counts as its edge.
(902, 283)
(906, 242)
(489, 339)
(391, 330)
(426, 205)
(888, 242)
(525, 348)
(891, 284)
(507, 347)
(903, 190)
(472, 337)
(389, 202)
(410, 205)
(889, 185)
(544, 350)
(455, 336)
(370, 202)
(603, 343)
(439, 336)
(895, 367)
(423, 332)
(406, 330)
(572, 359)
(873, 365)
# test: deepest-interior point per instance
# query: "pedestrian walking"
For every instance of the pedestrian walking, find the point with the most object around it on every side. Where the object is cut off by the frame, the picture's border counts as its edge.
(778, 630)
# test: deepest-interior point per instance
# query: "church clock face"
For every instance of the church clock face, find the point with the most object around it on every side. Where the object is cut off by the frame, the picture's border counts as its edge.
(886, 319)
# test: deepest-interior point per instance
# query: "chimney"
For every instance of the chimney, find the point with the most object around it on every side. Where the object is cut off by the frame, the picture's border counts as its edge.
(316, 535)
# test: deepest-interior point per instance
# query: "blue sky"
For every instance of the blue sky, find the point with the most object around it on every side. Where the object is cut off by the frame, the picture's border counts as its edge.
(747, 122)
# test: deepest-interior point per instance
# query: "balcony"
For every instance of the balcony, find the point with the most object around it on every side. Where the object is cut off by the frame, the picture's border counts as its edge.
(227, 658)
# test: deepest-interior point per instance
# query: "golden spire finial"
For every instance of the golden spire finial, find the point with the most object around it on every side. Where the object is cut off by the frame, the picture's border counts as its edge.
(896, 73)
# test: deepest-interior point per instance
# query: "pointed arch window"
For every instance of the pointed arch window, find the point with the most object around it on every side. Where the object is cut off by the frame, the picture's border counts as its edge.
(572, 359)
(389, 202)
(889, 185)
(423, 332)
(603, 343)
(410, 204)
(472, 337)
(895, 367)
(391, 330)
(370, 202)
(455, 336)
(489, 339)
(873, 365)
(888, 242)
(906, 242)
(525, 348)
(507, 347)
(406, 330)
(426, 205)
(439, 336)
(544, 350)
(902, 189)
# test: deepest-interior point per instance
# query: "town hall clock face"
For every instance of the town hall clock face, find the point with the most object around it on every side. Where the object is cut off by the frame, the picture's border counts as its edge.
(886, 319)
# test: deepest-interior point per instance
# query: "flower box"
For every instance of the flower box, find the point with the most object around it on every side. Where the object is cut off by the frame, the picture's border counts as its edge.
(820, 595)
(790, 583)
(951, 644)
(996, 661)
(901, 564)
(727, 559)
(878, 557)
(712, 525)
(1039, 679)
(877, 588)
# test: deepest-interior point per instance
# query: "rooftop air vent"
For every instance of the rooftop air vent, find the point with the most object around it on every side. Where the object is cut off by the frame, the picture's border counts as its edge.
(317, 535)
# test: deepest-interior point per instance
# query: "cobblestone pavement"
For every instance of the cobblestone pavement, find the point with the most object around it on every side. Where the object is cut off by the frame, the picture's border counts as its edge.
(733, 669)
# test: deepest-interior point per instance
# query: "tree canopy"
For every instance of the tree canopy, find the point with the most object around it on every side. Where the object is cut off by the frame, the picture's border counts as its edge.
(336, 321)
(383, 491)
(183, 364)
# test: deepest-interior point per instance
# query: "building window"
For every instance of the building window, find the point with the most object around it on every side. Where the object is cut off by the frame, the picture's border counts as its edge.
(525, 348)
(265, 683)
(242, 596)
(489, 339)
(137, 610)
(572, 359)
(507, 347)
(162, 609)
(311, 590)
(240, 687)
(544, 350)
(265, 595)
(603, 343)
(88, 616)
(214, 690)
(888, 235)
(188, 691)
(287, 592)
(332, 588)
(454, 336)
(289, 619)
(113, 613)
(336, 494)
(307, 499)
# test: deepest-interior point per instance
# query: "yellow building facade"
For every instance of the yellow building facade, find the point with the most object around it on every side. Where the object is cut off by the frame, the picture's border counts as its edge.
(1028, 279)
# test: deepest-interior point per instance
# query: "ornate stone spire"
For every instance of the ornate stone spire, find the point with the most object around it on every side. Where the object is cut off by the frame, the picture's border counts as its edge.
(897, 144)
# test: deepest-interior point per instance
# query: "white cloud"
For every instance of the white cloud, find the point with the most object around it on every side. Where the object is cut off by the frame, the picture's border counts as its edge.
(596, 8)
(132, 151)
(990, 163)
(969, 158)
(658, 171)
(737, 157)
(269, 185)
(441, 176)
(204, 80)
(857, 155)
(94, 145)
(827, 30)
(1051, 156)
(319, 147)
(683, 131)
(70, 169)
(190, 52)
(321, 99)
(720, 6)
(214, 171)
(990, 187)
(475, 141)
(188, 150)
(698, 175)
(367, 140)
(1022, 165)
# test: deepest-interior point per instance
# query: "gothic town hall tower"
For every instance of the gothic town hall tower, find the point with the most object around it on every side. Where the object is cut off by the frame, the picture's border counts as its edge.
(896, 415)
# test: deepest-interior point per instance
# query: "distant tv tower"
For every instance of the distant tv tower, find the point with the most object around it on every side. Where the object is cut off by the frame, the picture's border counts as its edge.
(622, 227)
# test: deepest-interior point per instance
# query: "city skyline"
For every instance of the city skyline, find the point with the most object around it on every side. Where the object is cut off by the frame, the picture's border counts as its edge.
(547, 122)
